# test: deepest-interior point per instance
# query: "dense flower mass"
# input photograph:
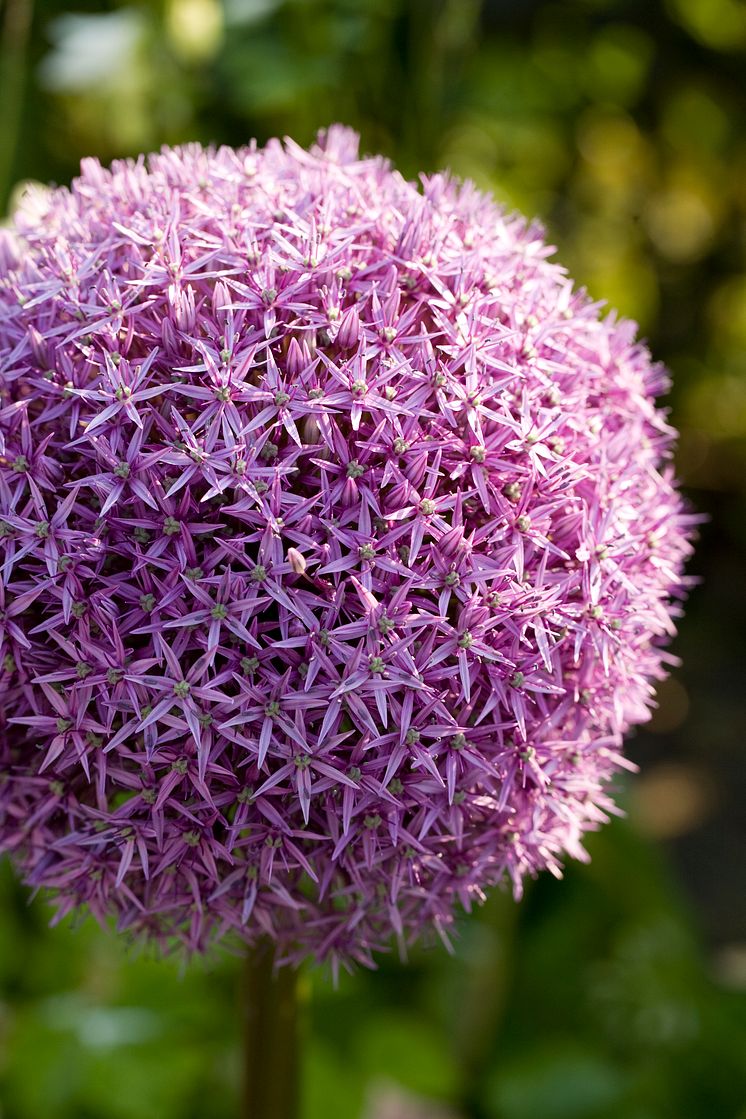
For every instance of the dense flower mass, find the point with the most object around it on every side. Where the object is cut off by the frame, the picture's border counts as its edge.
(338, 546)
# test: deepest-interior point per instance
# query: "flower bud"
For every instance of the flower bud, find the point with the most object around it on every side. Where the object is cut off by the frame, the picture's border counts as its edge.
(348, 334)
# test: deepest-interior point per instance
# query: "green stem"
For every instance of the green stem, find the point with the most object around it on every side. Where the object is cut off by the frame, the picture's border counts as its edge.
(487, 971)
(271, 1049)
(14, 37)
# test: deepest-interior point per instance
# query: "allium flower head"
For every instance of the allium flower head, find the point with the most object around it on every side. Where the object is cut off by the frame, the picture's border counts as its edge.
(338, 546)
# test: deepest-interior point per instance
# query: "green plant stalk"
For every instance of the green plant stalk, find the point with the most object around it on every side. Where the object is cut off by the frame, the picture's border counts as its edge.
(271, 1038)
(14, 35)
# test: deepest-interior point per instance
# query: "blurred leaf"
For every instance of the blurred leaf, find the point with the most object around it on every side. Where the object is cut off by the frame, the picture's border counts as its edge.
(560, 1081)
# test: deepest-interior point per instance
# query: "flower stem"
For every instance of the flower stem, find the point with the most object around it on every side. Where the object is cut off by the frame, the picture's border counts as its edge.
(270, 1009)
(14, 37)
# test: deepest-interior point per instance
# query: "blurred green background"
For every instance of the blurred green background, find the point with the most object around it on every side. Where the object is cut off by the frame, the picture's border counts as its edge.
(621, 992)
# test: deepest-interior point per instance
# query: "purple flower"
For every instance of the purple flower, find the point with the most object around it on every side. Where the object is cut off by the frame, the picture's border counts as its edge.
(339, 544)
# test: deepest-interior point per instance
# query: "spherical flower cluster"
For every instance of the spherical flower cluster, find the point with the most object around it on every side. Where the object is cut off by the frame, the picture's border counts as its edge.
(338, 547)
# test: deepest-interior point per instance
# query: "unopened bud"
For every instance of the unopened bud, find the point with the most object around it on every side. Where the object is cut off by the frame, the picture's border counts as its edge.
(220, 301)
(348, 334)
(296, 561)
(298, 357)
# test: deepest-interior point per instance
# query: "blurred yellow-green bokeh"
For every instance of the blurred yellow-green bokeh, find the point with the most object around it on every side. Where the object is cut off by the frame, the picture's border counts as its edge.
(620, 992)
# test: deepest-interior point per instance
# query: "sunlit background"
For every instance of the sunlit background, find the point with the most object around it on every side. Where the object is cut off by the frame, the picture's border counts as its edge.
(620, 993)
